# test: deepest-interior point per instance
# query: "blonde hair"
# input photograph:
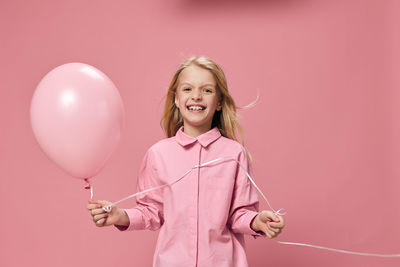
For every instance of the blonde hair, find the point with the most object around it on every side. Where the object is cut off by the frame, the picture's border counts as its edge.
(225, 119)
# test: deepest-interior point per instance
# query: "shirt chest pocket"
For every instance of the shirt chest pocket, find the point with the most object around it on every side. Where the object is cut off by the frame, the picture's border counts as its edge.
(218, 197)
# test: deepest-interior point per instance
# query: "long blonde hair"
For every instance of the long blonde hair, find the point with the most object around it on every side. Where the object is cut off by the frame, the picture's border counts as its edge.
(225, 119)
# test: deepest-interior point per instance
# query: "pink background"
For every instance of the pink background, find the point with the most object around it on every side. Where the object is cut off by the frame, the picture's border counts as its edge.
(324, 136)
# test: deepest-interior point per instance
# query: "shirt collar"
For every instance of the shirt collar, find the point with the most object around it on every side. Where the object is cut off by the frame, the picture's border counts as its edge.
(204, 139)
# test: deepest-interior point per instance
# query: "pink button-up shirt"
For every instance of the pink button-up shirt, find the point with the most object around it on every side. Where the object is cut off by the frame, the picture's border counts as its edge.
(203, 217)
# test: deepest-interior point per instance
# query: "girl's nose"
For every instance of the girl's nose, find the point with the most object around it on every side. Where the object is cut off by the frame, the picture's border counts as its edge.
(196, 94)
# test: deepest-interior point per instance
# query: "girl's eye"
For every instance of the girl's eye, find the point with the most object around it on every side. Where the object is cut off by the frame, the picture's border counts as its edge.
(186, 89)
(208, 90)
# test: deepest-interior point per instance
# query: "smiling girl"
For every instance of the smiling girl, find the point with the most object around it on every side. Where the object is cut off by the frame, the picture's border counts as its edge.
(203, 218)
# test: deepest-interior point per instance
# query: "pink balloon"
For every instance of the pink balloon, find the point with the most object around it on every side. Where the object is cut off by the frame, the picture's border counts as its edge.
(77, 117)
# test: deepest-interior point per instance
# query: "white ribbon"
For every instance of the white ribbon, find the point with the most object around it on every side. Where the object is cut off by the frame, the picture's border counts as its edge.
(278, 212)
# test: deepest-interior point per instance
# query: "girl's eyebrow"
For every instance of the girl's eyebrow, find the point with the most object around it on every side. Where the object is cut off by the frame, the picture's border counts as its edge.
(188, 83)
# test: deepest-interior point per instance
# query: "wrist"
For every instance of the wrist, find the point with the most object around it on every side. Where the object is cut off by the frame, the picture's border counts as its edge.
(123, 219)
(254, 224)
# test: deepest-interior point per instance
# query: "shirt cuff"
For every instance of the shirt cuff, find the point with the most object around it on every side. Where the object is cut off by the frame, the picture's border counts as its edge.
(244, 225)
(135, 220)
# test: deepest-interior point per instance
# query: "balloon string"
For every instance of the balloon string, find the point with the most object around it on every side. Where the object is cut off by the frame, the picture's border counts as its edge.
(89, 186)
(340, 250)
(278, 212)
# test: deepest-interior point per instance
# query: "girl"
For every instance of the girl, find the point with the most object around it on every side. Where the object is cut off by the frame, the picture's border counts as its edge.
(203, 217)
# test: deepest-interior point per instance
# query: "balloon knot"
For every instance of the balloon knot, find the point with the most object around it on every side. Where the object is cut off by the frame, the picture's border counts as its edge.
(87, 184)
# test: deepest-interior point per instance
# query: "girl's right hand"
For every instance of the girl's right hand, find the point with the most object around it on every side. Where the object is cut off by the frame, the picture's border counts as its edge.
(101, 217)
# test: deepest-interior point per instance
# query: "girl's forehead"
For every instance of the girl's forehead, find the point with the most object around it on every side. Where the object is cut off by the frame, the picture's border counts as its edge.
(195, 75)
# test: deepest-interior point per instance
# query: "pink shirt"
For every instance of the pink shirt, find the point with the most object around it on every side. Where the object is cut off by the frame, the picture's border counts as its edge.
(203, 217)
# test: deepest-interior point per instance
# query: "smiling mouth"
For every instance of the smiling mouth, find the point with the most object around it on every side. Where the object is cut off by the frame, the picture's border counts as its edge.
(196, 108)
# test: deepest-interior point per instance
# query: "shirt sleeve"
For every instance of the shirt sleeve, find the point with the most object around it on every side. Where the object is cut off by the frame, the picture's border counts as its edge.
(245, 202)
(148, 213)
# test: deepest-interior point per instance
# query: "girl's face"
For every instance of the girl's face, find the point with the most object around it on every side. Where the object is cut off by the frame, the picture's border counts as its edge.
(197, 98)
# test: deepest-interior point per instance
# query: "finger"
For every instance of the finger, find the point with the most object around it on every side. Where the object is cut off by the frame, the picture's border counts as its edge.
(276, 218)
(281, 220)
(97, 211)
(268, 215)
(266, 231)
(274, 229)
(100, 222)
(99, 216)
(277, 234)
(271, 233)
(274, 225)
(93, 206)
(280, 224)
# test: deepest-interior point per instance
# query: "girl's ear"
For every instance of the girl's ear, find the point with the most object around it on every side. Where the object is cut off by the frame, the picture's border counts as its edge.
(219, 105)
(176, 102)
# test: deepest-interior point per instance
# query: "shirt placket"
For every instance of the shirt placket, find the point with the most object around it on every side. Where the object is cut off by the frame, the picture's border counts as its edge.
(194, 223)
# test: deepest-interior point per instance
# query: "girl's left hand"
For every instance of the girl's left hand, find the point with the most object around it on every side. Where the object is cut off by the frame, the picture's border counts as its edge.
(269, 223)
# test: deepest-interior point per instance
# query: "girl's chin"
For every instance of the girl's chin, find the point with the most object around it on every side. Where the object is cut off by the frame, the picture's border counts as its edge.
(196, 113)
(195, 123)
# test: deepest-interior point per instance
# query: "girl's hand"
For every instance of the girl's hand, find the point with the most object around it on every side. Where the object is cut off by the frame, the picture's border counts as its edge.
(101, 217)
(269, 223)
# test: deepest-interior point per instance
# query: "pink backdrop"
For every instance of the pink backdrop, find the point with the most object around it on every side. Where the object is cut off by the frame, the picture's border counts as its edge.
(324, 136)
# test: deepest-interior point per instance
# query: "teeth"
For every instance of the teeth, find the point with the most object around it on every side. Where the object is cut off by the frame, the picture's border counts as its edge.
(195, 108)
